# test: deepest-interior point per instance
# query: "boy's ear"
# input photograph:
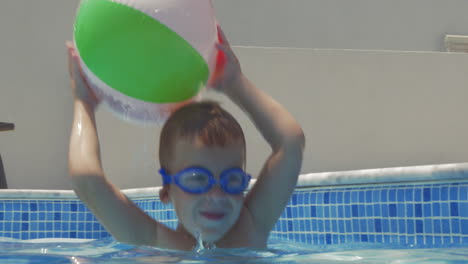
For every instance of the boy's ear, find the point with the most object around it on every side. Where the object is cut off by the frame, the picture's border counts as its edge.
(164, 194)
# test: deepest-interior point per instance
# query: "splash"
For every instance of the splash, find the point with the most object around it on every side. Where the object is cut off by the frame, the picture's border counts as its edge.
(202, 246)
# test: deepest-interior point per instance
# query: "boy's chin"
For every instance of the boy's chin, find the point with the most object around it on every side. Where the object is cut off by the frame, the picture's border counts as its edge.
(209, 235)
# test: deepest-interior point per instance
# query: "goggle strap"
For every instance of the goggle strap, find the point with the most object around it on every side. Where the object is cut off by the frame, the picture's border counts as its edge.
(166, 178)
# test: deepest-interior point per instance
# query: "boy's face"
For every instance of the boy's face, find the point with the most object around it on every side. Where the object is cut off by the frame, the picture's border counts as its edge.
(212, 213)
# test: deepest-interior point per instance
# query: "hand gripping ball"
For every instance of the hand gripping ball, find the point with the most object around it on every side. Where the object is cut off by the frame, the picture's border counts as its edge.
(146, 58)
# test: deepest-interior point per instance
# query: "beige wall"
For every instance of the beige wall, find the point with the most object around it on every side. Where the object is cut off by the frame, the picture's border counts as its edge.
(344, 24)
(359, 109)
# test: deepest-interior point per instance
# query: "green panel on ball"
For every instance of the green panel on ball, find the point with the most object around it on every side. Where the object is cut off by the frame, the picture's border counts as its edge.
(136, 54)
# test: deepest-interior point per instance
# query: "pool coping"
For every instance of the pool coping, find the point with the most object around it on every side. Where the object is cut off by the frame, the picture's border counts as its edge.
(425, 173)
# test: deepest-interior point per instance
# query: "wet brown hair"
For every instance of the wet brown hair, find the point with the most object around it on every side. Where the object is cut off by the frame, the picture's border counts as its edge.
(205, 121)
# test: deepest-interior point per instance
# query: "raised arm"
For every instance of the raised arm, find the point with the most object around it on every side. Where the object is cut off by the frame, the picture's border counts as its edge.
(120, 216)
(278, 177)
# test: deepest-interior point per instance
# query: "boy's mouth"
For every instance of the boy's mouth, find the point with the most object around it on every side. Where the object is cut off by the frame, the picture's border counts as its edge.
(214, 216)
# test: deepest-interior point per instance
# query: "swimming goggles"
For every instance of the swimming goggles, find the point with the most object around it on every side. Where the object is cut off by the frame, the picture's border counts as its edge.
(198, 180)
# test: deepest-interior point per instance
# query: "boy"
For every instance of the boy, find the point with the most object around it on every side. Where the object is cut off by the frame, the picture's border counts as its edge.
(202, 156)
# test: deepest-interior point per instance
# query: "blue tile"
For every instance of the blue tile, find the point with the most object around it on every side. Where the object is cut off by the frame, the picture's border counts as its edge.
(354, 197)
(57, 216)
(383, 195)
(313, 198)
(16, 216)
(379, 239)
(400, 195)
(429, 240)
(454, 209)
(24, 226)
(354, 210)
(417, 195)
(326, 198)
(369, 211)
(444, 193)
(444, 209)
(294, 199)
(392, 210)
(386, 239)
(428, 227)
(401, 226)
(320, 198)
(446, 240)
(420, 239)
(418, 210)
(376, 210)
(454, 193)
(419, 226)
(362, 198)
(333, 211)
(463, 209)
(392, 195)
(326, 211)
(368, 198)
(426, 194)
(377, 225)
(355, 225)
(25, 216)
(342, 239)
(464, 226)
(385, 225)
(313, 212)
(347, 197)
(411, 240)
(455, 226)
(319, 211)
(33, 206)
(328, 239)
(349, 226)
(363, 225)
(436, 209)
(409, 196)
(427, 210)
(384, 208)
(393, 226)
(463, 193)
(301, 211)
(445, 226)
(1, 216)
(375, 196)
(347, 211)
(333, 197)
(356, 238)
(436, 223)
(340, 211)
(435, 194)
(339, 197)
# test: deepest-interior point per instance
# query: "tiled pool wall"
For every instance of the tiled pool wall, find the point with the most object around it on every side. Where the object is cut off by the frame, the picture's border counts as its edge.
(423, 214)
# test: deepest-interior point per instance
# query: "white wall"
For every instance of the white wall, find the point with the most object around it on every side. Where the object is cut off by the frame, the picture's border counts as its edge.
(359, 109)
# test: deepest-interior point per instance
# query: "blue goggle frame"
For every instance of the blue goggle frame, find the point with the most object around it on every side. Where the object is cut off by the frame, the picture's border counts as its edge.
(223, 181)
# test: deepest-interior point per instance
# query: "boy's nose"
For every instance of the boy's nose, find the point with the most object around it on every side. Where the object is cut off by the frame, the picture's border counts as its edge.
(216, 191)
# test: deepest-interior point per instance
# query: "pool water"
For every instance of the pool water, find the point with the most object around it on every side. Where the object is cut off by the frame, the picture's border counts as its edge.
(76, 251)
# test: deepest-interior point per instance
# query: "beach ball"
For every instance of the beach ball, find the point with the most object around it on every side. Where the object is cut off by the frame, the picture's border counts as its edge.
(146, 58)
